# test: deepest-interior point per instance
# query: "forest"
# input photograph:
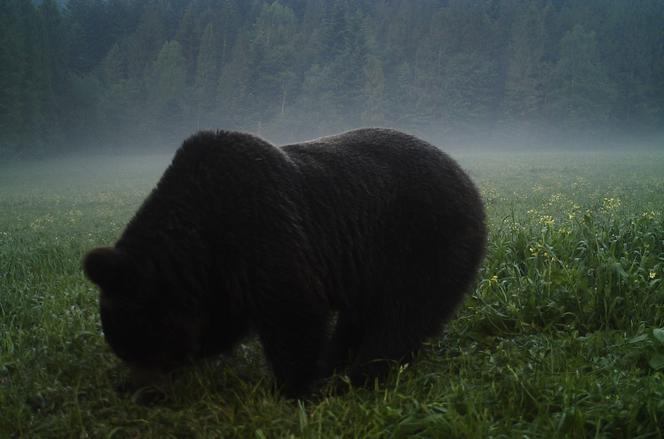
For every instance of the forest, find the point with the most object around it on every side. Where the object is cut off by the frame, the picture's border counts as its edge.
(109, 75)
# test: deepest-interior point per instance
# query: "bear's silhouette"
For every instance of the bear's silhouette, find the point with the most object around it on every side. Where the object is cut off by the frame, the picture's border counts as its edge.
(241, 236)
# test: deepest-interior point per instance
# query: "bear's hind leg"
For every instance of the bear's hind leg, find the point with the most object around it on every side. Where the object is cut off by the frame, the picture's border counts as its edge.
(292, 342)
(341, 350)
(387, 341)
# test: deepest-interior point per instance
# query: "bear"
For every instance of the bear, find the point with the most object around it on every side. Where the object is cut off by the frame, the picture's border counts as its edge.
(343, 253)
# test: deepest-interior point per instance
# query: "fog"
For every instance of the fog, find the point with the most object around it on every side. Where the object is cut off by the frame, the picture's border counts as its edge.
(137, 77)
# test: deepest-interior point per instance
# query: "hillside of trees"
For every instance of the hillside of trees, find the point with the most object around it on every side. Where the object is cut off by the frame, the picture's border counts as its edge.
(108, 74)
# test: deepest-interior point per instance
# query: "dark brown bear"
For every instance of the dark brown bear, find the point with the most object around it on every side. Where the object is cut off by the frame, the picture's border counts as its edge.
(241, 236)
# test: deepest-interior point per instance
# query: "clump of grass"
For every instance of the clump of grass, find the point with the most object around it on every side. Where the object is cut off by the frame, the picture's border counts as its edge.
(594, 269)
(561, 336)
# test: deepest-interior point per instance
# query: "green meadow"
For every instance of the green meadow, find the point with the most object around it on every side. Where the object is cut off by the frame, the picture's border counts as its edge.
(559, 338)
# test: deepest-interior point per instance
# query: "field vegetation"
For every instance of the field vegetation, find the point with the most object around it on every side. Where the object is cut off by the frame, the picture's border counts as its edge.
(559, 338)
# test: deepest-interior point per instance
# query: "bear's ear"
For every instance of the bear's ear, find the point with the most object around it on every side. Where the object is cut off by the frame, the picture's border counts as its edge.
(107, 267)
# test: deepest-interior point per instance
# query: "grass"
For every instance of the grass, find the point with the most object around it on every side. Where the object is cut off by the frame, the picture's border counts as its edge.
(559, 339)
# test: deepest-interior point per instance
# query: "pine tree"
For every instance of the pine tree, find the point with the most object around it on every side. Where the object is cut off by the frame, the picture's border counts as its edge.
(633, 50)
(374, 93)
(166, 87)
(34, 85)
(233, 87)
(526, 72)
(88, 36)
(116, 105)
(470, 75)
(272, 59)
(206, 77)
(11, 67)
(581, 94)
(187, 37)
(149, 38)
(53, 75)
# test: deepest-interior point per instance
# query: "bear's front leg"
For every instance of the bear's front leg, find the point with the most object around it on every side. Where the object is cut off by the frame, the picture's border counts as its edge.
(292, 341)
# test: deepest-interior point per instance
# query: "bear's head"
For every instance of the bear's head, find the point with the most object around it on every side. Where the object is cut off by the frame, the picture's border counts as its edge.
(146, 322)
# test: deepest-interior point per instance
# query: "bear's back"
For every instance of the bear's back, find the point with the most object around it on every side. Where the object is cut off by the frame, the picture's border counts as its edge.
(385, 167)
(381, 203)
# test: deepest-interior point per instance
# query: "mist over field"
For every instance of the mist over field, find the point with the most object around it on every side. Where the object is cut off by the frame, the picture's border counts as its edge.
(555, 109)
(126, 75)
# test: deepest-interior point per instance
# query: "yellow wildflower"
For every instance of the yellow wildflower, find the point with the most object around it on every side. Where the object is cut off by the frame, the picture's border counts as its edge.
(649, 215)
(611, 203)
(547, 220)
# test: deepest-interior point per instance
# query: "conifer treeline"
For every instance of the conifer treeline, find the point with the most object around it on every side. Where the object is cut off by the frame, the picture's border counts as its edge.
(106, 73)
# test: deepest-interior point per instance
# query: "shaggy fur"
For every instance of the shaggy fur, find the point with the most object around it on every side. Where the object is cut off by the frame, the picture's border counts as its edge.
(242, 236)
